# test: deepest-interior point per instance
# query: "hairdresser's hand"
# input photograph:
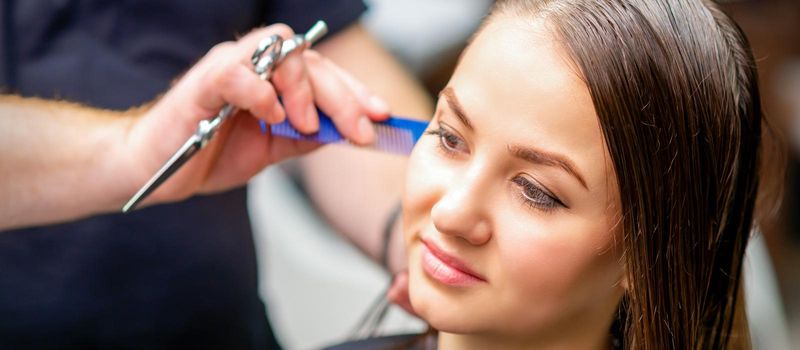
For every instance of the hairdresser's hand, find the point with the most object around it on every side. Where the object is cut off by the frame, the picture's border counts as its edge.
(239, 149)
(398, 292)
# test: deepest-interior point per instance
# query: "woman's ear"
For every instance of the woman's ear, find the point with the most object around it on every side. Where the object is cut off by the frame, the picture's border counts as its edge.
(624, 273)
(619, 250)
(623, 280)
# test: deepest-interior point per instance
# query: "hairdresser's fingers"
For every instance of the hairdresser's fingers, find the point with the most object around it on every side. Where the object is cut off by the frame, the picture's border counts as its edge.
(227, 77)
(336, 99)
(292, 82)
(247, 44)
(377, 109)
(289, 78)
(227, 80)
(398, 292)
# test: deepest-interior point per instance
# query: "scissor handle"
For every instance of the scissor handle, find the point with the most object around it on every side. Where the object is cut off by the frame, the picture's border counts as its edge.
(268, 54)
(264, 58)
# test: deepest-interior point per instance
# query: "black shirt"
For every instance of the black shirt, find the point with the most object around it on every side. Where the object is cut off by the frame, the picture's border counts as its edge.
(170, 276)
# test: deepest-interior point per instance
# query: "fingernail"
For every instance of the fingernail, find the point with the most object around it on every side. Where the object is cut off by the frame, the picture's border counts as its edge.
(312, 121)
(378, 104)
(365, 130)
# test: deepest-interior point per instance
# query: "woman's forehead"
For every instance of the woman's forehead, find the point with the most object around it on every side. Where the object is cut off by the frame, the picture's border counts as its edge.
(516, 84)
(515, 61)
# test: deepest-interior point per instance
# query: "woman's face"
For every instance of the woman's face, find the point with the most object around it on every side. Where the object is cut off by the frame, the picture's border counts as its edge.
(511, 206)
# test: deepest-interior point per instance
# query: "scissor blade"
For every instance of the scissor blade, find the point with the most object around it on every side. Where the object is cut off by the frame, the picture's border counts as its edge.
(180, 157)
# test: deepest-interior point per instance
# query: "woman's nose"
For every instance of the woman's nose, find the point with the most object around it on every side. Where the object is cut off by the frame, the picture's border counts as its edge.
(461, 211)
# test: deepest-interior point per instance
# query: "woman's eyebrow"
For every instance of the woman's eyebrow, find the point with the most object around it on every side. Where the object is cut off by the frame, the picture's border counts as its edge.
(528, 154)
(544, 158)
(452, 100)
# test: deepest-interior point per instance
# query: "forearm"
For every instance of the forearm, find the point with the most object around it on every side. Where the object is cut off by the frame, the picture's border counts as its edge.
(59, 161)
(358, 189)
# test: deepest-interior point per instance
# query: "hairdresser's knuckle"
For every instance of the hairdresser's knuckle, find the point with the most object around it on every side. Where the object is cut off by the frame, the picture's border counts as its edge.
(312, 58)
(302, 92)
(223, 76)
(360, 89)
(281, 29)
(264, 101)
(290, 74)
(221, 49)
(267, 94)
(348, 108)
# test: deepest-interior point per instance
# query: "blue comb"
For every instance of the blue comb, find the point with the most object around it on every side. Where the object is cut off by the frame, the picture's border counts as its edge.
(395, 135)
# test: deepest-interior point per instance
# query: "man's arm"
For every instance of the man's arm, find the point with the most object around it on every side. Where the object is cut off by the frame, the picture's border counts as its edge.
(60, 161)
(51, 168)
(358, 189)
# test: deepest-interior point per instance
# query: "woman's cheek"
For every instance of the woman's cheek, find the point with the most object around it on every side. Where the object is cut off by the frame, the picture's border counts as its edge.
(423, 177)
(418, 187)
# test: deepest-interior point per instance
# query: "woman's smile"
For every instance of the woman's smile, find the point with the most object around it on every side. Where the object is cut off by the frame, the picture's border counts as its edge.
(447, 268)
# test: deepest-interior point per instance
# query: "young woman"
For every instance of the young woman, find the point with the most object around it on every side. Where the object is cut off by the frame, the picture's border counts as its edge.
(588, 181)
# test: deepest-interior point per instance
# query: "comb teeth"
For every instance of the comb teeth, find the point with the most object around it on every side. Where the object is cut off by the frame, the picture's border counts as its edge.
(394, 140)
(395, 135)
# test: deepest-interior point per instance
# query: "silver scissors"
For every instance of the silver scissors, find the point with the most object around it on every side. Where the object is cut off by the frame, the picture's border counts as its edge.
(269, 53)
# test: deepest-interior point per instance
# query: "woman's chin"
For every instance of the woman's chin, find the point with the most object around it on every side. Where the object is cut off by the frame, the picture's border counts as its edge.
(442, 313)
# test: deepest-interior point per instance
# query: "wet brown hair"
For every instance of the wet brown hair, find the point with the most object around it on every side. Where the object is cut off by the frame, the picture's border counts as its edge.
(675, 89)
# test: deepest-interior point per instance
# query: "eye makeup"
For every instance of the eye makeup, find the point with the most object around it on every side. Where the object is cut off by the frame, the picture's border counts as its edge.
(535, 195)
(449, 142)
(530, 192)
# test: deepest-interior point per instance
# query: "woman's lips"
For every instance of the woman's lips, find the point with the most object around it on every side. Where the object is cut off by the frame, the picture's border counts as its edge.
(447, 269)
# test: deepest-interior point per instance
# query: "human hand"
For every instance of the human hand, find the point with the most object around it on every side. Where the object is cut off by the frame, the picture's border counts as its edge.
(398, 292)
(239, 149)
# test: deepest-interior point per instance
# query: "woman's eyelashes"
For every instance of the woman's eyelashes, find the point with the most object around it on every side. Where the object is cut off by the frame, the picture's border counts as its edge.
(534, 196)
(449, 142)
(531, 194)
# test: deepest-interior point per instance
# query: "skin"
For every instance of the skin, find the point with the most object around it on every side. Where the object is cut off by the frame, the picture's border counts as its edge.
(104, 156)
(373, 180)
(552, 278)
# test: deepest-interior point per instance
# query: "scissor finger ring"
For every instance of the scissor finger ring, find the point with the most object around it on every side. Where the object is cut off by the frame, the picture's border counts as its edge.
(267, 55)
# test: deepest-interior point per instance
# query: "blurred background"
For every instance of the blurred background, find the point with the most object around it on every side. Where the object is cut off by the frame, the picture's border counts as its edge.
(773, 27)
(313, 304)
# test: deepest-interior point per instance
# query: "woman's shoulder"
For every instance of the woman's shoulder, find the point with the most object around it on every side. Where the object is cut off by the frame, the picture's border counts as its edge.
(402, 341)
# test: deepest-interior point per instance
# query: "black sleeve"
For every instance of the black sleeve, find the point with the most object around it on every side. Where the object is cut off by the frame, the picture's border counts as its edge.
(301, 14)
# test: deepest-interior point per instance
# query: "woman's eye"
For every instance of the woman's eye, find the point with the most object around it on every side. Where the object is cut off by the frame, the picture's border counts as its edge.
(448, 141)
(535, 196)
